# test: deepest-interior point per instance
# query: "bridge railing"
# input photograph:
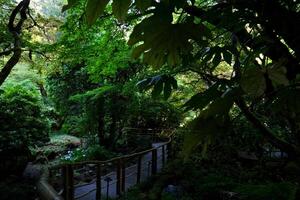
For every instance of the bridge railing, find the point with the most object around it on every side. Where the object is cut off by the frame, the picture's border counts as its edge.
(120, 167)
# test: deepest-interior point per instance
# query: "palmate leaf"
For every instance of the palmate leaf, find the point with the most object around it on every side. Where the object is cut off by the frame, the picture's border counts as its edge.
(161, 84)
(253, 82)
(94, 9)
(212, 121)
(142, 5)
(202, 99)
(203, 132)
(215, 55)
(277, 75)
(165, 43)
(120, 9)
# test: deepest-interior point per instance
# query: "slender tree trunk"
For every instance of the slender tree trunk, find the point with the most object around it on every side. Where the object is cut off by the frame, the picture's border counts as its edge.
(42, 90)
(101, 125)
(112, 132)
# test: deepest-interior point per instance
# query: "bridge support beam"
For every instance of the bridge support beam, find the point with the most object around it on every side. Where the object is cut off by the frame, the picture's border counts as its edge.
(68, 175)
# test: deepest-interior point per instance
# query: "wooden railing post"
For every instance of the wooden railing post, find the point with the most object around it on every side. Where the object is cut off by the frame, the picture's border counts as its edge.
(170, 151)
(119, 171)
(163, 159)
(139, 169)
(98, 182)
(154, 161)
(123, 175)
(68, 182)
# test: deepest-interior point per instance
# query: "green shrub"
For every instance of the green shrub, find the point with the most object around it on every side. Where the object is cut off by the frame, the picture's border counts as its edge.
(94, 152)
(21, 118)
(271, 191)
(23, 125)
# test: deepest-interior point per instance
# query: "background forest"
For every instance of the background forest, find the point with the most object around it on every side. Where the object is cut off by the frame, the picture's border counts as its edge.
(80, 79)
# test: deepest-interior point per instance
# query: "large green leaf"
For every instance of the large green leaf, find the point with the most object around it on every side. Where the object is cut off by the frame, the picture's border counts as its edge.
(201, 100)
(120, 9)
(211, 122)
(161, 83)
(202, 132)
(166, 43)
(253, 82)
(158, 88)
(219, 107)
(94, 9)
(142, 5)
(277, 74)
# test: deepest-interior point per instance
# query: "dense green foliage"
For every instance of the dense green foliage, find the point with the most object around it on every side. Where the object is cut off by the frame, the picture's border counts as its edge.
(197, 36)
(22, 120)
(225, 72)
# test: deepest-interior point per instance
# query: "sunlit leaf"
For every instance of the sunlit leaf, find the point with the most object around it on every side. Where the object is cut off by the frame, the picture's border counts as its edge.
(91, 94)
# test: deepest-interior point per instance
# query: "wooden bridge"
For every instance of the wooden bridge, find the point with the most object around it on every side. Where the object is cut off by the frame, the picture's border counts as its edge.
(109, 178)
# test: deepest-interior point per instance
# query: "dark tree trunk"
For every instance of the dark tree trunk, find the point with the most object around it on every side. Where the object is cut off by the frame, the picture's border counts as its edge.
(42, 90)
(112, 132)
(101, 125)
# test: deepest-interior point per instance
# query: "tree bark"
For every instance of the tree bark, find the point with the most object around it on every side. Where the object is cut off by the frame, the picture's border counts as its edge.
(101, 114)
(15, 30)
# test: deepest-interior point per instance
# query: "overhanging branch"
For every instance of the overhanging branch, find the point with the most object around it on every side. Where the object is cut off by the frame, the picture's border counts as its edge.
(265, 131)
(15, 30)
(276, 51)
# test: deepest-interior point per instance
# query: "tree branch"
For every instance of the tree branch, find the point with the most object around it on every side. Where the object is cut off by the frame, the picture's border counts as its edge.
(276, 51)
(266, 132)
(6, 52)
(15, 30)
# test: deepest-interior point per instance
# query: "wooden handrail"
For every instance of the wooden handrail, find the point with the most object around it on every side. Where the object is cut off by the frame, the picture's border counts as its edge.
(98, 182)
(120, 163)
(113, 159)
(44, 189)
